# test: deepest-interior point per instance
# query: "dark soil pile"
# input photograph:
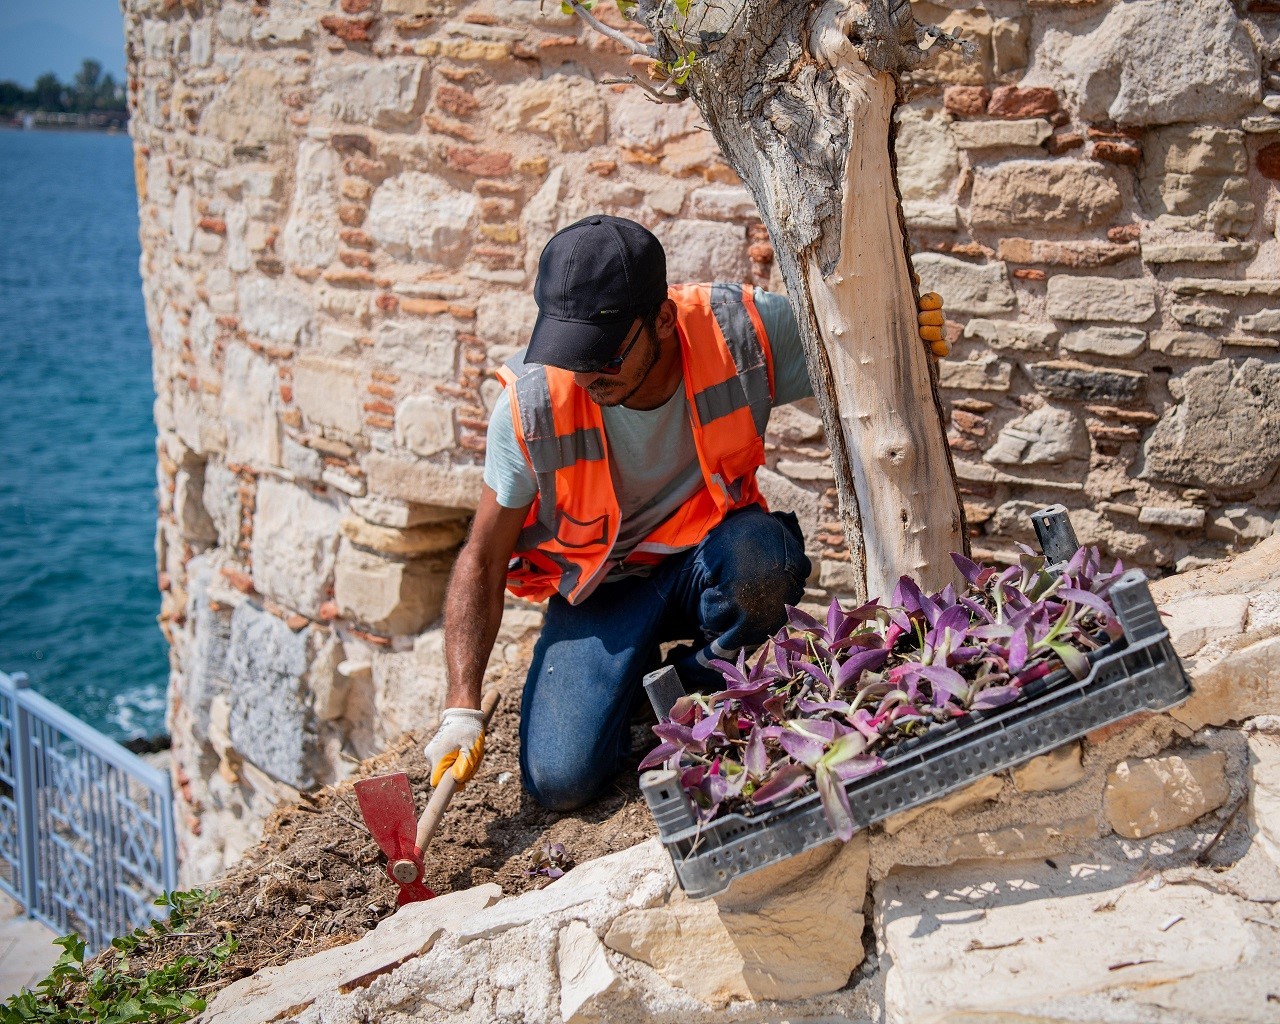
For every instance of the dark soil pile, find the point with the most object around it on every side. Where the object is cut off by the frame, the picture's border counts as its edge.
(317, 879)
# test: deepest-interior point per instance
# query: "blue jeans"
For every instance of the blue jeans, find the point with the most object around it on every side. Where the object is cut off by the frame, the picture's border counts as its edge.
(727, 593)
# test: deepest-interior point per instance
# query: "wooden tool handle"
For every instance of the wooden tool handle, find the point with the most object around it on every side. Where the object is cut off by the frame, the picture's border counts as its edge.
(443, 793)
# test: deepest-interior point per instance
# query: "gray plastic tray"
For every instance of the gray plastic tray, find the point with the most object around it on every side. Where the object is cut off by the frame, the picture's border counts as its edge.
(1139, 673)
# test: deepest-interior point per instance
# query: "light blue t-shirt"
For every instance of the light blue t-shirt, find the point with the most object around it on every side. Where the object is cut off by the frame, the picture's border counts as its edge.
(652, 458)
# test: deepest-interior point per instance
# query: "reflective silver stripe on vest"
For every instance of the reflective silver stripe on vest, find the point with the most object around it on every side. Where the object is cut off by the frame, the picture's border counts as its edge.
(548, 453)
(552, 453)
(751, 385)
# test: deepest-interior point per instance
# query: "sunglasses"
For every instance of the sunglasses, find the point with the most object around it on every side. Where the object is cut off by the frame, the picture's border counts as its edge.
(614, 366)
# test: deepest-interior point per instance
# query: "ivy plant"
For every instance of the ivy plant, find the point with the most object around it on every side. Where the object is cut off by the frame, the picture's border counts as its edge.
(112, 993)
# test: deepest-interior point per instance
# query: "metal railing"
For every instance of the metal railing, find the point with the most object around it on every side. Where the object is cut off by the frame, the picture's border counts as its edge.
(86, 827)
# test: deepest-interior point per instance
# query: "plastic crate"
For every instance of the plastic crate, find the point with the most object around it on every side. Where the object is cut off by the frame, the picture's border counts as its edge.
(1138, 673)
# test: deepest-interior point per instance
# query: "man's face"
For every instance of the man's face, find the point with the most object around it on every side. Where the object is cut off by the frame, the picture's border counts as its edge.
(615, 389)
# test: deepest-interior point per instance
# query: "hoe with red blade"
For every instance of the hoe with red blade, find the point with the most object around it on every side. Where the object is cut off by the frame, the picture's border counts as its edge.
(386, 801)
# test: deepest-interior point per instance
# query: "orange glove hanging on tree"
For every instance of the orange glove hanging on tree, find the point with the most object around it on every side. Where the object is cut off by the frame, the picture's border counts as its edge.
(931, 320)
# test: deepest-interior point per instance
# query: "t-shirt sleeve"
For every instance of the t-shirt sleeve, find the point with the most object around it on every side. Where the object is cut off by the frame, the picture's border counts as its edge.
(790, 371)
(505, 468)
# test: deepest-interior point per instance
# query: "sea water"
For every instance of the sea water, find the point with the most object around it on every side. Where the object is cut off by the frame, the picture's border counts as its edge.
(78, 598)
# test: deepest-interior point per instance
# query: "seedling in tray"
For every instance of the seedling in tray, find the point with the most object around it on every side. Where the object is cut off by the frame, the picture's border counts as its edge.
(822, 701)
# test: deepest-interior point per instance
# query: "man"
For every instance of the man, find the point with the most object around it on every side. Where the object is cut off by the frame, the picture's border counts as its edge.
(620, 486)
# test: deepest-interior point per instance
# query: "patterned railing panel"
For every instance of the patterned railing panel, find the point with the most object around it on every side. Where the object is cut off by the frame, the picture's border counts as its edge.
(86, 827)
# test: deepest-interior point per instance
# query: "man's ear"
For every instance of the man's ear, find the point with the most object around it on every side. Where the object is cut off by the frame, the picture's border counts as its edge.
(666, 322)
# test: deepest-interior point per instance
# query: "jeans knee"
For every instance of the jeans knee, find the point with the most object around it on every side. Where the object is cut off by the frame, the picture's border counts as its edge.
(559, 791)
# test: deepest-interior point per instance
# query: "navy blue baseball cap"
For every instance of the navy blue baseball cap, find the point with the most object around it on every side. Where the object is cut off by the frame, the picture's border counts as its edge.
(594, 278)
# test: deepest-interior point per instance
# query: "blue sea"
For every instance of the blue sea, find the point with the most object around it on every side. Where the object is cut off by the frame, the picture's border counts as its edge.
(78, 599)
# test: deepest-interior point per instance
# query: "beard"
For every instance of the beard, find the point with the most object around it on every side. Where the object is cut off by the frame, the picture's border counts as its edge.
(611, 391)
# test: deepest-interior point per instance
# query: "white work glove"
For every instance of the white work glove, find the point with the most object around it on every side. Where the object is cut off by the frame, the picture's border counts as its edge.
(457, 744)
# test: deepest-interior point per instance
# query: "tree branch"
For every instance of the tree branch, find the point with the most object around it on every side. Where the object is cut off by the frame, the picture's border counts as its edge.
(611, 33)
(660, 97)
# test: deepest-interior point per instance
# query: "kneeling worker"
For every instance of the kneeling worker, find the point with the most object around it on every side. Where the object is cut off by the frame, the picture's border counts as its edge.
(620, 487)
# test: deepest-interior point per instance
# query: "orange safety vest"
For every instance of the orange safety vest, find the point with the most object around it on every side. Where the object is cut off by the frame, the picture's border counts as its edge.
(573, 523)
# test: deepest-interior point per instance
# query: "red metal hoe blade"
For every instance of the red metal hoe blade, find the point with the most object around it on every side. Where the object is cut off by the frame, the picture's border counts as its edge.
(386, 802)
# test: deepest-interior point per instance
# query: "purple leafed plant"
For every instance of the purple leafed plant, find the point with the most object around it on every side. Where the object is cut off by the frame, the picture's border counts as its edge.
(822, 700)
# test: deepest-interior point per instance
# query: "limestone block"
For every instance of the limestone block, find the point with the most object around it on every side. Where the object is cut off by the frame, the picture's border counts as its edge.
(1048, 435)
(639, 123)
(1065, 194)
(787, 942)
(421, 216)
(927, 159)
(310, 236)
(206, 674)
(1244, 683)
(704, 250)
(693, 155)
(985, 372)
(248, 408)
(1010, 39)
(568, 108)
(182, 220)
(1023, 840)
(1187, 344)
(248, 110)
(638, 877)
(1024, 134)
(1145, 63)
(425, 347)
(327, 686)
(421, 483)
(295, 538)
(303, 462)
(1266, 321)
(387, 93)
(1016, 336)
(424, 425)
(920, 213)
(975, 794)
(967, 287)
(404, 542)
(585, 973)
(1203, 316)
(408, 688)
(792, 424)
(1198, 252)
(1264, 792)
(1116, 342)
(289, 23)
(383, 511)
(975, 27)
(279, 992)
(797, 470)
(785, 496)
(1123, 300)
(270, 723)
(722, 202)
(1193, 179)
(327, 391)
(950, 933)
(222, 501)
(385, 595)
(274, 310)
(1196, 620)
(1240, 524)
(194, 522)
(1059, 769)
(1176, 518)
(1224, 431)
(1159, 794)
(837, 576)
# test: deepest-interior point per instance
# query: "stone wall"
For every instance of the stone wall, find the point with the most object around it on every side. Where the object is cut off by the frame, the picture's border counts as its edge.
(342, 204)
(1130, 875)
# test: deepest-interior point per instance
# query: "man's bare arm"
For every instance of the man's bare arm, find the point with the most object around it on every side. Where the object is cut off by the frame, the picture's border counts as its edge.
(473, 604)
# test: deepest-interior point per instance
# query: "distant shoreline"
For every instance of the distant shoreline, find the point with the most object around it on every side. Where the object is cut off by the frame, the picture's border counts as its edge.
(49, 121)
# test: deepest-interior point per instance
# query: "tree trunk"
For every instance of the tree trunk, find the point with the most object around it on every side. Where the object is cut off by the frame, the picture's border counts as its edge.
(800, 97)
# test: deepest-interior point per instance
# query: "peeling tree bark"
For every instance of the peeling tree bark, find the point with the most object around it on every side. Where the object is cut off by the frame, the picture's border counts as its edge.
(800, 97)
